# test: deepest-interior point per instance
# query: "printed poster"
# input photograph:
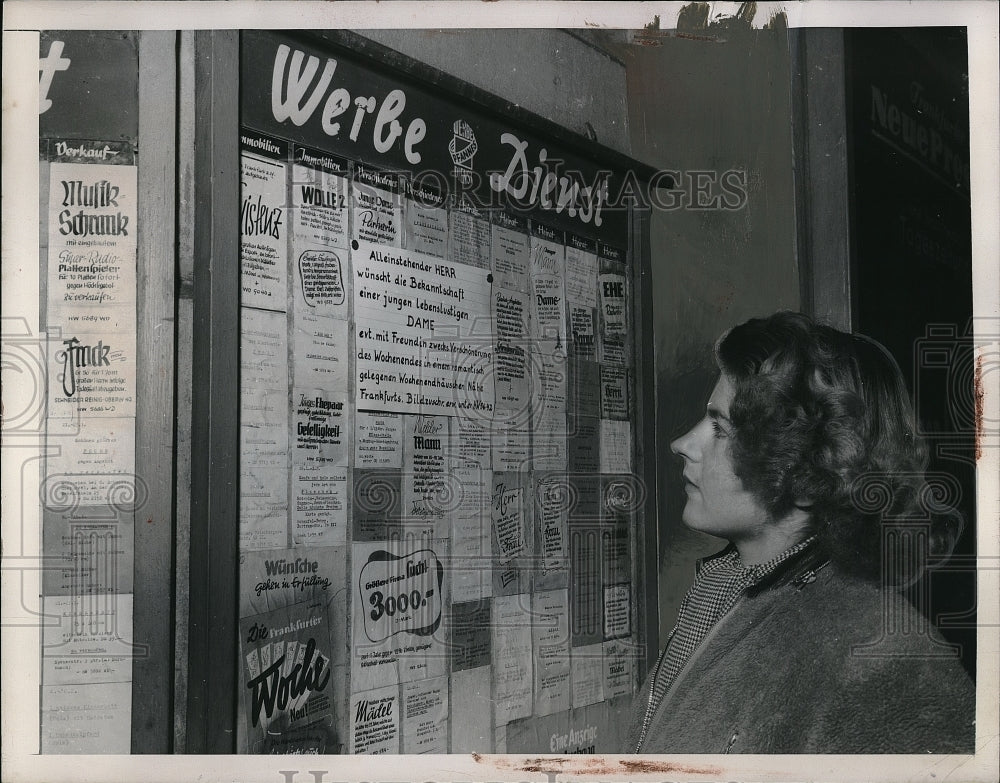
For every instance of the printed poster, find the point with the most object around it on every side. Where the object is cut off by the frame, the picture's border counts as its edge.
(91, 375)
(290, 702)
(322, 421)
(296, 691)
(428, 491)
(614, 326)
(263, 232)
(424, 343)
(508, 519)
(375, 721)
(581, 271)
(583, 331)
(319, 199)
(398, 605)
(614, 393)
(618, 658)
(553, 497)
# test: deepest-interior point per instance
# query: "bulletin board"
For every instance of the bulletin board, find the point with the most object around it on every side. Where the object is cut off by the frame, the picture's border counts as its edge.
(442, 507)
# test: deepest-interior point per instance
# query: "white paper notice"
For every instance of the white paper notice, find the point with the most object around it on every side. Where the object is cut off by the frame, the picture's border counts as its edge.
(588, 674)
(471, 443)
(92, 247)
(322, 423)
(425, 716)
(618, 658)
(508, 521)
(549, 412)
(428, 494)
(91, 375)
(614, 323)
(319, 202)
(509, 253)
(548, 300)
(471, 544)
(320, 277)
(263, 349)
(375, 721)
(424, 342)
(377, 208)
(91, 719)
(426, 221)
(512, 657)
(471, 722)
(93, 459)
(616, 446)
(264, 238)
(581, 272)
(378, 440)
(263, 508)
(512, 351)
(320, 353)
(89, 644)
(550, 639)
(319, 505)
(552, 501)
(470, 238)
(617, 611)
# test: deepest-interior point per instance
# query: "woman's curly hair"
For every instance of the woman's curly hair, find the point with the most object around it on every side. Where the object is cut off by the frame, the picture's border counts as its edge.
(822, 421)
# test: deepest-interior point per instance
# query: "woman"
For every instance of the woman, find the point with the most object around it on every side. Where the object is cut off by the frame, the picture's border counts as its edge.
(789, 641)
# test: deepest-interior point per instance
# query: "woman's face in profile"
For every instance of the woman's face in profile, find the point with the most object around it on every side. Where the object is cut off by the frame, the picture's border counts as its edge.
(717, 503)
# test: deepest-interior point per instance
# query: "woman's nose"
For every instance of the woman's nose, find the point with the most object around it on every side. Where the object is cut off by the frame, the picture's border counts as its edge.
(684, 445)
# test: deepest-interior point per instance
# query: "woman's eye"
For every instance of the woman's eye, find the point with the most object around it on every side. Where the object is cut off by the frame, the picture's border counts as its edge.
(717, 430)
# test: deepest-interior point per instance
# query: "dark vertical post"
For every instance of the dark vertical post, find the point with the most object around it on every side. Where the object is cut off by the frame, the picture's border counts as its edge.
(215, 458)
(152, 630)
(647, 543)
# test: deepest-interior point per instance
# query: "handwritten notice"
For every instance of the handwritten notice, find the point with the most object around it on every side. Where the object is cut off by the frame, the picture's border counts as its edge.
(550, 643)
(424, 344)
(512, 657)
(614, 393)
(508, 520)
(510, 252)
(375, 721)
(581, 271)
(614, 324)
(470, 237)
(319, 199)
(426, 220)
(319, 505)
(425, 716)
(263, 233)
(426, 493)
(322, 421)
(92, 247)
(512, 349)
(378, 439)
(320, 353)
(377, 208)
